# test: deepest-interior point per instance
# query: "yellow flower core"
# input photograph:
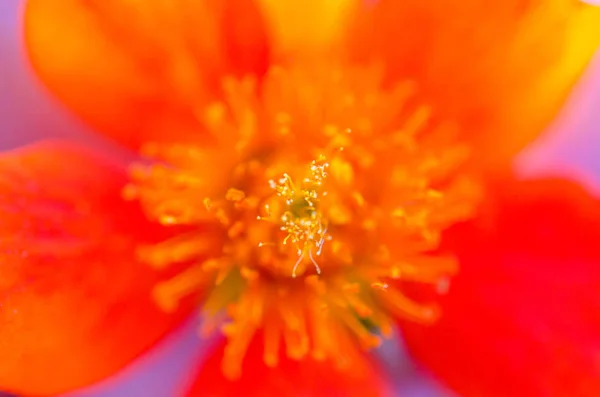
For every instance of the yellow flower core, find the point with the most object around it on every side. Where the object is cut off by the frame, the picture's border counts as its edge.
(320, 191)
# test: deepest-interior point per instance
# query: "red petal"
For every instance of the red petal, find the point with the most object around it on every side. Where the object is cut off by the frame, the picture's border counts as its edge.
(142, 70)
(522, 316)
(502, 69)
(289, 378)
(75, 306)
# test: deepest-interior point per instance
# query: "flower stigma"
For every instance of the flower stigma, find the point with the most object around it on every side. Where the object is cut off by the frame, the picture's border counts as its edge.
(321, 194)
(302, 220)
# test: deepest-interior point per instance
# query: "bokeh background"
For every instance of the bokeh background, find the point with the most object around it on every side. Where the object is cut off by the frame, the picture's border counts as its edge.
(570, 148)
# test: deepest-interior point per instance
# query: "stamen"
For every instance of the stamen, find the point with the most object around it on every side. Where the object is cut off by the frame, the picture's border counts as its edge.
(296, 265)
(255, 215)
(318, 269)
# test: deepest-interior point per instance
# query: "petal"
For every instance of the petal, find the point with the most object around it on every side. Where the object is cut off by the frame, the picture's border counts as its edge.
(501, 69)
(288, 20)
(75, 306)
(140, 70)
(289, 378)
(521, 317)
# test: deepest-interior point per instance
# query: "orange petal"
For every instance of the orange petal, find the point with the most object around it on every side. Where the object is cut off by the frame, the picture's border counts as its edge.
(75, 306)
(500, 68)
(522, 316)
(289, 20)
(289, 378)
(142, 70)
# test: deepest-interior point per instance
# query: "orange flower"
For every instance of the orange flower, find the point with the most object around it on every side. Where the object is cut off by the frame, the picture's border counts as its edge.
(308, 186)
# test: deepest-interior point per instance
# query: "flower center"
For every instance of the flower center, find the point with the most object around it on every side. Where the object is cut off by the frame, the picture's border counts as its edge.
(321, 192)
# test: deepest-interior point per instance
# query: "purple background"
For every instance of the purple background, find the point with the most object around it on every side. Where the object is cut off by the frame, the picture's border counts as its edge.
(571, 149)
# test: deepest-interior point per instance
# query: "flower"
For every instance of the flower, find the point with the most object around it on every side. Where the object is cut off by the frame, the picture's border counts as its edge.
(308, 189)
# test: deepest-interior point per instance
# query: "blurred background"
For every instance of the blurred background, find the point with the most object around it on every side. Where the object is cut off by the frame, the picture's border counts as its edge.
(571, 148)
